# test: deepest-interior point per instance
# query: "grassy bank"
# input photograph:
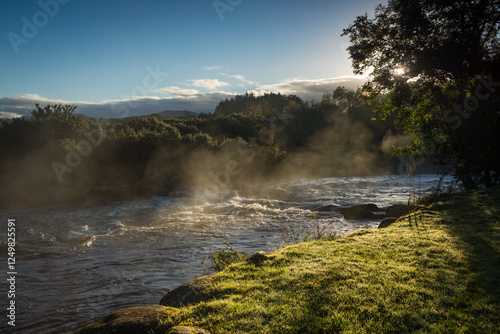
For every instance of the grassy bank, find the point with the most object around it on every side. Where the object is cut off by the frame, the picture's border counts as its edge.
(440, 276)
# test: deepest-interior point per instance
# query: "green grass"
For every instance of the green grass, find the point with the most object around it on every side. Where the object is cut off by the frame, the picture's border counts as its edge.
(440, 276)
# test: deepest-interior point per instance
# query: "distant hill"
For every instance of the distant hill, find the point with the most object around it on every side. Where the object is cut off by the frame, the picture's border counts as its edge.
(176, 113)
(166, 113)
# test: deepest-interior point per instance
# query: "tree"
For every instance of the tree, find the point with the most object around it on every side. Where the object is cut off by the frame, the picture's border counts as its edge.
(60, 120)
(437, 63)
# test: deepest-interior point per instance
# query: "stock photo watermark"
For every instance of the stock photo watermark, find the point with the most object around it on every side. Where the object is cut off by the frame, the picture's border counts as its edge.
(11, 272)
(454, 117)
(94, 138)
(30, 27)
(149, 82)
(222, 7)
(221, 180)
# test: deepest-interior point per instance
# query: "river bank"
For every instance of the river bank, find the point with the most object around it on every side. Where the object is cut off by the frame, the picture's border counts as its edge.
(132, 252)
(438, 274)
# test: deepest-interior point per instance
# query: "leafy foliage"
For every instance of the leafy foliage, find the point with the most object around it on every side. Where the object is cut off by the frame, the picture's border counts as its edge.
(181, 150)
(435, 64)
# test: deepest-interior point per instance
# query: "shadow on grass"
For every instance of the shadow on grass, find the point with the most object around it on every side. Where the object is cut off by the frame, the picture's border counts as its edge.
(474, 219)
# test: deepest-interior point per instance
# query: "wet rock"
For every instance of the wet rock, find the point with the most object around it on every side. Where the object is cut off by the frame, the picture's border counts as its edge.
(132, 320)
(387, 222)
(363, 211)
(186, 330)
(257, 258)
(326, 208)
(187, 294)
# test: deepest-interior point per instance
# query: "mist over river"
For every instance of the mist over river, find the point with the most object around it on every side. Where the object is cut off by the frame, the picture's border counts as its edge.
(78, 264)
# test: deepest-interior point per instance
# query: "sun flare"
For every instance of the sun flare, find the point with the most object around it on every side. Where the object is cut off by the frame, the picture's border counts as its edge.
(399, 71)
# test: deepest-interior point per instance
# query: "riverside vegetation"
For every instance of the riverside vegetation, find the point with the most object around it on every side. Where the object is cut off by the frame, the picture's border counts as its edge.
(441, 275)
(58, 156)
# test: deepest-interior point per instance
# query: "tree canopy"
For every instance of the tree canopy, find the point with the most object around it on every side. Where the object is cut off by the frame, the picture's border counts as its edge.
(437, 64)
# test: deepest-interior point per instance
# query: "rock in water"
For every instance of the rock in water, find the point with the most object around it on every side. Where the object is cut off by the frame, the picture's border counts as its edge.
(363, 211)
(132, 320)
(187, 330)
(326, 208)
(187, 294)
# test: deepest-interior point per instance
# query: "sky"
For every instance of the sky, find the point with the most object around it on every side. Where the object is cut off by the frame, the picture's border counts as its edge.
(124, 58)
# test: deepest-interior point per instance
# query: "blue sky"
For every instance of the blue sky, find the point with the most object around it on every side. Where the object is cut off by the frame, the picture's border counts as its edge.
(148, 56)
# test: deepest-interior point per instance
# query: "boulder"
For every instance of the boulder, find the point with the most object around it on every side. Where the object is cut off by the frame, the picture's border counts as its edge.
(387, 222)
(132, 320)
(397, 210)
(188, 294)
(186, 330)
(363, 211)
(258, 257)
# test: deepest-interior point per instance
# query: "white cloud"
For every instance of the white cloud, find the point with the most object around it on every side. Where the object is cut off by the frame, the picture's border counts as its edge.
(20, 106)
(242, 78)
(9, 115)
(176, 91)
(312, 89)
(211, 68)
(179, 99)
(209, 83)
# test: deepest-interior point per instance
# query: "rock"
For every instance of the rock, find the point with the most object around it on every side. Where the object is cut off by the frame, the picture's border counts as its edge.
(397, 210)
(326, 208)
(186, 330)
(387, 222)
(258, 257)
(363, 211)
(132, 320)
(187, 294)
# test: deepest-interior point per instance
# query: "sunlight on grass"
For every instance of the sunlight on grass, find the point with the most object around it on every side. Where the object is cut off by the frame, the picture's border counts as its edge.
(439, 276)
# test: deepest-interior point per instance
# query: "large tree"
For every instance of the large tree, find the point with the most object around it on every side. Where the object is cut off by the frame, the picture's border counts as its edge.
(437, 64)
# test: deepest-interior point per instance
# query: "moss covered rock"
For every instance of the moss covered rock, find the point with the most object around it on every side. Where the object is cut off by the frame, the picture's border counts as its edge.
(132, 320)
(187, 294)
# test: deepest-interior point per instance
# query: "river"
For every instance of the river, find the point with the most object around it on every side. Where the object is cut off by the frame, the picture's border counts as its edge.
(75, 265)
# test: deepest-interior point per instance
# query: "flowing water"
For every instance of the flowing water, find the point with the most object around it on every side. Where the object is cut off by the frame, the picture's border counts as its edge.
(75, 265)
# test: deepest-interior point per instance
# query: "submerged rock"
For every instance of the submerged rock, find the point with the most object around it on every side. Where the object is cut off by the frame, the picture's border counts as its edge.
(186, 330)
(327, 208)
(132, 320)
(363, 211)
(187, 294)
